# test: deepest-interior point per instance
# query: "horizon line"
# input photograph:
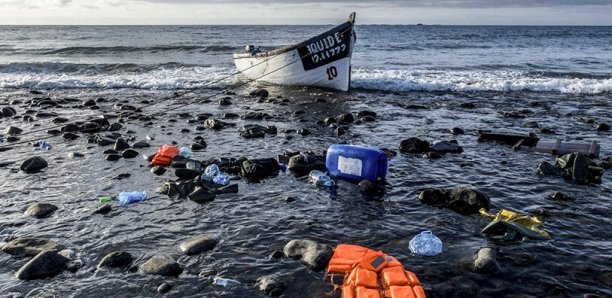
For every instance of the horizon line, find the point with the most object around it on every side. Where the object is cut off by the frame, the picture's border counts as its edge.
(326, 24)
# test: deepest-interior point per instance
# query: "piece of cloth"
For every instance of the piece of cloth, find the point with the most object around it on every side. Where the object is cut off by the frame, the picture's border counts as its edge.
(519, 225)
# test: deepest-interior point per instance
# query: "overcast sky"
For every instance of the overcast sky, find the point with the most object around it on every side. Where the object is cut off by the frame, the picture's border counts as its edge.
(461, 12)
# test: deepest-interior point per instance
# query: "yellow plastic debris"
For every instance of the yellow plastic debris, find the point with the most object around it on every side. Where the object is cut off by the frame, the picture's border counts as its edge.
(532, 223)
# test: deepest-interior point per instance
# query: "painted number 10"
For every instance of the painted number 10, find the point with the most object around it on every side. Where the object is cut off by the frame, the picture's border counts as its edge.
(332, 72)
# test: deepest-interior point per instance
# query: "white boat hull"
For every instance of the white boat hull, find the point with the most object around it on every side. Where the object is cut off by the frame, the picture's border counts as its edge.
(322, 61)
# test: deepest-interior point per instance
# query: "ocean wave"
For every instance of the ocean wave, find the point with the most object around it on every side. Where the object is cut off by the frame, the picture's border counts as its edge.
(85, 68)
(499, 81)
(131, 49)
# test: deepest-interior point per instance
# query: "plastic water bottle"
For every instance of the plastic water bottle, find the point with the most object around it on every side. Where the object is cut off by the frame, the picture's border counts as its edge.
(225, 282)
(221, 179)
(42, 145)
(185, 152)
(128, 197)
(426, 244)
(211, 172)
(319, 178)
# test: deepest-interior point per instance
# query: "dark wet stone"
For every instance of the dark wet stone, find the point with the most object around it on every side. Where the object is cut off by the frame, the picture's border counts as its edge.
(41, 210)
(303, 132)
(198, 245)
(340, 131)
(531, 124)
(559, 196)
(122, 176)
(45, 264)
(104, 209)
(90, 127)
(8, 112)
(414, 145)
(115, 127)
(185, 130)
(215, 124)
(230, 116)
(158, 170)
(446, 147)
(164, 288)
(33, 164)
(370, 188)
(226, 101)
(272, 285)
(432, 155)
(259, 168)
(141, 144)
(262, 93)
(276, 255)
(511, 114)
(289, 199)
(186, 174)
(414, 107)
(164, 266)
(198, 145)
(232, 188)
(603, 127)
(310, 253)
(366, 113)
(467, 105)
(113, 157)
(456, 131)
(329, 120)
(43, 114)
(129, 153)
(12, 139)
(59, 120)
(485, 262)
(110, 151)
(547, 131)
(89, 103)
(70, 128)
(116, 259)
(75, 155)
(367, 119)
(201, 195)
(12, 130)
(461, 200)
(252, 131)
(70, 136)
(346, 118)
(27, 246)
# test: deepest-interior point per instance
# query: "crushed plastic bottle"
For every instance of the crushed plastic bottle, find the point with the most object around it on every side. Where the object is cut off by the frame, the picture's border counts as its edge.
(210, 172)
(185, 152)
(128, 197)
(225, 282)
(221, 179)
(426, 244)
(42, 145)
(320, 178)
(107, 199)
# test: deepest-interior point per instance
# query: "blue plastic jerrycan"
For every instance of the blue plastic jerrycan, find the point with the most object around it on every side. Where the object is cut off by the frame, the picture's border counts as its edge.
(356, 163)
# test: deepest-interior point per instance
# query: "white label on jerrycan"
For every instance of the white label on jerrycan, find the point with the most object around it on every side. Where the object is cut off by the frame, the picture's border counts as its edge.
(351, 166)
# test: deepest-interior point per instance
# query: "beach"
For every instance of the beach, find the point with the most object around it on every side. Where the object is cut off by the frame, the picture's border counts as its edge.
(159, 94)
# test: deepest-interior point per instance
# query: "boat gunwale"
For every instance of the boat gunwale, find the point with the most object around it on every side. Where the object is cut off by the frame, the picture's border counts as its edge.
(285, 49)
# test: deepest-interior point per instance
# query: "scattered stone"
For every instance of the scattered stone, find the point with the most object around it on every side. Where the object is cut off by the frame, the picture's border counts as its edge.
(346, 118)
(559, 196)
(414, 145)
(215, 124)
(603, 127)
(113, 157)
(461, 200)
(164, 266)
(456, 131)
(226, 101)
(258, 169)
(8, 112)
(75, 155)
(120, 145)
(45, 264)
(27, 246)
(122, 176)
(272, 285)
(329, 120)
(289, 199)
(303, 131)
(446, 147)
(432, 155)
(467, 105)
(41, 210)
(129, 153)
(310, 253)
(276, 255)
(33, 164)
(201, 195)
(141, 144)
(262, 93)
(89, 103)
(164, 288)
(70, 136)
(198, 145)
(186, 174)
(104, 209)
(12, 130)
(414, 107)
(485, 262)
(340, 131)
(116, 259)
(198, 245)
(158, 170)
(531, 124)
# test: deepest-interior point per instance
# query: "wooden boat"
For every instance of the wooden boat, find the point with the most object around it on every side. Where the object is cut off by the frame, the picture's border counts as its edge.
(322, 61)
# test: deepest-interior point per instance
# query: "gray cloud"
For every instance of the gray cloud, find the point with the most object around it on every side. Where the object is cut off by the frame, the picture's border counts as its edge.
(412, 3)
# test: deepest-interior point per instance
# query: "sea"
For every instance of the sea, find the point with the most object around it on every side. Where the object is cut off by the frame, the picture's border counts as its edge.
(159, 83)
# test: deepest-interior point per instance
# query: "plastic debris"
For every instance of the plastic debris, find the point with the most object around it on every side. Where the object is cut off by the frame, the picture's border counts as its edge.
(221, 179)
(507, 224)
(185, 152)
(214, 174)
(42, 145)
(426, 244)
(107, 199)
(128, 197)
(225, 282)
(319, 178)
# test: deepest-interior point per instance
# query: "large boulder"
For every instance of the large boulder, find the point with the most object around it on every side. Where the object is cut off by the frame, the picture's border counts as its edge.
(165, 266)
(33, 164)
(312, 254)
(198, 245)
(461, 200)
(28, 246)
(414, 145)
(302, 164)
(40, 210)
(45, 264)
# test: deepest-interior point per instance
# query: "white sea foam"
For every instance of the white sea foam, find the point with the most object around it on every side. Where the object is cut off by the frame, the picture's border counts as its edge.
(501, 81)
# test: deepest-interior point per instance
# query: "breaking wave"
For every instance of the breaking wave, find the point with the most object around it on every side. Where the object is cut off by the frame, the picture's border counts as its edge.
(500, 81)
(102, 50)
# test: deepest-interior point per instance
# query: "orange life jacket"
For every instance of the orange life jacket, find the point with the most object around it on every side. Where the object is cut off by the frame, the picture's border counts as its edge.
(164, 155)
(372, 274)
